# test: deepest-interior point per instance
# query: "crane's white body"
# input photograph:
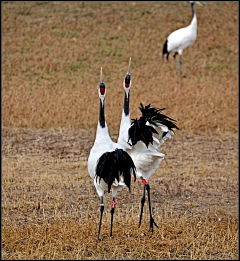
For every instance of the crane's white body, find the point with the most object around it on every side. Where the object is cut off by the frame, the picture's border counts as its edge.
(183, 37)
(146, 159)
(103, 143)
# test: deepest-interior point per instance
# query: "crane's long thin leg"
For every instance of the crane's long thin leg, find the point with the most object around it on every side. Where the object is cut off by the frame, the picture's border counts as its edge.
(179, 64)
(142, 204)
(113, 205)
(101, 213)
(152, 222)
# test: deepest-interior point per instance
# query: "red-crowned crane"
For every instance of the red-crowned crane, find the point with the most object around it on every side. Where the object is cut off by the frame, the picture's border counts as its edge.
(109, 164)
(182, 38)
(142, 138)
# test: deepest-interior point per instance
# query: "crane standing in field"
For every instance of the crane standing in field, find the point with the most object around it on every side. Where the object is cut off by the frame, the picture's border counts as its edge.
(109, 164)
(182, 38)
(142, 138)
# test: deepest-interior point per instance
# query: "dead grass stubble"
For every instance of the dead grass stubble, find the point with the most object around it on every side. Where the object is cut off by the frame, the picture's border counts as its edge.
(180, 238)
(50, 208)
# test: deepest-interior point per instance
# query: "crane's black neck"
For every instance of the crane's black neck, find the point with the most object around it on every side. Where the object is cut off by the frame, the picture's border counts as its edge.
(101, 114)
(126, 103)
(192, 7)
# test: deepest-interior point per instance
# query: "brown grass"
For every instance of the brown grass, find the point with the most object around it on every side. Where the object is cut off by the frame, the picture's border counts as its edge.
(53, 51)
(51, 58)
(50, 208)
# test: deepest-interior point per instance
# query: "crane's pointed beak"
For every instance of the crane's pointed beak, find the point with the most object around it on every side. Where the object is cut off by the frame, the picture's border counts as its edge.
(129, 65)
(199, 3)
(101, 77)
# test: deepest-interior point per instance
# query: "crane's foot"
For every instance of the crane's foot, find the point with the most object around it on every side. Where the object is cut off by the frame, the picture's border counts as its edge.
(152, 222)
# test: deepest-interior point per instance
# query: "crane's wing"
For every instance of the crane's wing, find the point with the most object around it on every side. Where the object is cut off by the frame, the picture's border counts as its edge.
(146, 159)
(153, 127)
(145, 135)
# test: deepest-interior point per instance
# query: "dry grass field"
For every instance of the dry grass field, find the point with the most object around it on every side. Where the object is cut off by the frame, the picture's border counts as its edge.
(52, 53)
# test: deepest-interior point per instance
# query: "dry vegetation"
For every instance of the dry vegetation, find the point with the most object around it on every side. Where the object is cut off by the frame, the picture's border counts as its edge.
(51, 58)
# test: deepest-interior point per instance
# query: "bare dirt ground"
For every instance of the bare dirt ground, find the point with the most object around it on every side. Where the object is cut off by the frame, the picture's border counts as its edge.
(52, 53)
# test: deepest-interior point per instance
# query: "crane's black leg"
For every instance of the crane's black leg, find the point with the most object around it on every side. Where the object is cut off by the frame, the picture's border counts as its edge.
(142, 204)
(101, 213)
(113, 205)
(152, 222)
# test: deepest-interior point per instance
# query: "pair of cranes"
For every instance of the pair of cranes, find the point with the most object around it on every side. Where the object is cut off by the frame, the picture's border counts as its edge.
(112, 164)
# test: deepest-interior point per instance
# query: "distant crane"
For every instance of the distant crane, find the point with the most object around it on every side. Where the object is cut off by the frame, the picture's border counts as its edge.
(182, 38)
(142, 138)
(109, 164)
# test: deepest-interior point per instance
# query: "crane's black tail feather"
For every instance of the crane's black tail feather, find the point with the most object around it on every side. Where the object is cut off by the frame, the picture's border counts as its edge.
(165, 51)
(140, 131)
(111, 165)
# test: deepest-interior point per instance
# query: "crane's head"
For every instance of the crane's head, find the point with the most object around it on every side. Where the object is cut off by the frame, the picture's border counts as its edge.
(102, 89)
(195, 2)
(127, 81)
